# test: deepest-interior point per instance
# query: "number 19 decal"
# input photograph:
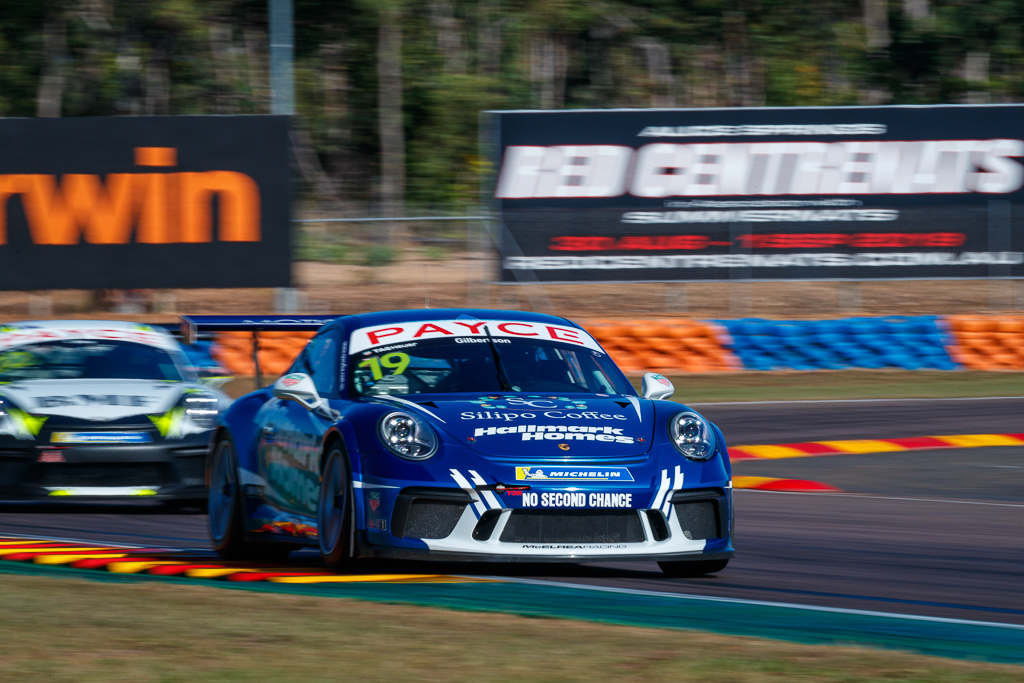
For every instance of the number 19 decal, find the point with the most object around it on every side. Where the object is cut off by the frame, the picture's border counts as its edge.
(396, 362)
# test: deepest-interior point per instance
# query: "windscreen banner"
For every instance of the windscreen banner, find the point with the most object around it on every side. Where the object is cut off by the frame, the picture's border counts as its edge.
(760, 194)
(144, 202)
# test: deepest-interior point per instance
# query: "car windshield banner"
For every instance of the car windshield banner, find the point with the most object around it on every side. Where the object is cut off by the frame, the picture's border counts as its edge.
(144, 202)
(760, 194)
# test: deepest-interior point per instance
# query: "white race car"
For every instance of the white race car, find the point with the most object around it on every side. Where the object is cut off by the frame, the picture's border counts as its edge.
(101, 409)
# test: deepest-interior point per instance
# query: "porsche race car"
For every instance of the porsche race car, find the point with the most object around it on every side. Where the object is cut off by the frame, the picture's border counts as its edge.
(101, 410)
(475, 435)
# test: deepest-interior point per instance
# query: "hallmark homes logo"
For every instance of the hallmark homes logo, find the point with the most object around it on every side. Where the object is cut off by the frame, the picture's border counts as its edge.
(146, 208)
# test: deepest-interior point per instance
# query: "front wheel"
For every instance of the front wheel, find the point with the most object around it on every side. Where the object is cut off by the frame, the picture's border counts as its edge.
(224, 503)
(688, 570)
(334, 511)
(226, 519)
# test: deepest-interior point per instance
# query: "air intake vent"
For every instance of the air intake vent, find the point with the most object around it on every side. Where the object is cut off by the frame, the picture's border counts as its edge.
(103, 474)
(573, 526)
(432, 518)
(698, 519)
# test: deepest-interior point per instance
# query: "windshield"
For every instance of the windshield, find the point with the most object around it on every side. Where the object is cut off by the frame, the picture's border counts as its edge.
(467, 364)
(88, 359)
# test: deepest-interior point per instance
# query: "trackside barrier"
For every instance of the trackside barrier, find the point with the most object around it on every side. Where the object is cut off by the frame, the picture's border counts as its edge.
(909, 343)
(693, 346)
(233, 350)
(988, 343)
(665, 346)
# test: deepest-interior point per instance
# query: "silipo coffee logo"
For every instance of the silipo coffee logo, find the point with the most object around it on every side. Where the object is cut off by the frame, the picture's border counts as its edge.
(160, 208)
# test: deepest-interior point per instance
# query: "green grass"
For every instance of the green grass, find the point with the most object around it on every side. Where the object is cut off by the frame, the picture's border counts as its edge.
(843, 384)
(59, 630)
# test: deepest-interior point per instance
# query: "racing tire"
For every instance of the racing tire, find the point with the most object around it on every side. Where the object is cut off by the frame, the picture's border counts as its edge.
(689, 570)
(334, 511)
(225, 515)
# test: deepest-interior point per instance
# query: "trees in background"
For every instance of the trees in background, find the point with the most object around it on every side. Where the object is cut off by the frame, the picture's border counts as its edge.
(389, 91)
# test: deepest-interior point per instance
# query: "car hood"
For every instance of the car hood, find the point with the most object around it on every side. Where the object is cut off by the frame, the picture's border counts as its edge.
(545, 426)
(94, 399)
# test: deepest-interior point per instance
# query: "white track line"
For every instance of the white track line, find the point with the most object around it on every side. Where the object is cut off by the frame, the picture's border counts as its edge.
(759, 603)
(110, 544)
(859, 400)
(637, 591)
(861, 495)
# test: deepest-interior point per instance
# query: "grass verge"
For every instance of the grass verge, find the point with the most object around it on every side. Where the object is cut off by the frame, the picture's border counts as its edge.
(843, 384)
(71, 630)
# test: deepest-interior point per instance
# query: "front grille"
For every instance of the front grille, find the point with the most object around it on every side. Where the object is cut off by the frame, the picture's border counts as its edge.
(102, 474)
(12, 471)
(191, 467)
(432, 518)
(698, 519)
(573, 526)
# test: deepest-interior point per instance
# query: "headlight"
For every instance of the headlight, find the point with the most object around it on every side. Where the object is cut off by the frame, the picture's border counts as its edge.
(201, 409)
(18, 423)
(196, 412)
(407, 436)
(692, 436)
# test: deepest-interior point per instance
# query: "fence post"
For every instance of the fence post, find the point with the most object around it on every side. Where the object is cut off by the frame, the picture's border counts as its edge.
(999, 241)
(739, 296)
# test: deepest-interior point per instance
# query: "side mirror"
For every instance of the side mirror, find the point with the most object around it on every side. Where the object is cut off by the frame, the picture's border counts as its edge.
(298, 387)
(656, 386)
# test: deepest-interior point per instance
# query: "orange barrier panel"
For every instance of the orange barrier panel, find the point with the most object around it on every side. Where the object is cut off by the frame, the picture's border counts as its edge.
(233, 350)
(988, 342)
(666, 346)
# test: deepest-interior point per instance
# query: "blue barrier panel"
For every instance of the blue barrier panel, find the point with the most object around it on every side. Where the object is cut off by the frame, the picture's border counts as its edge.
(906, 342)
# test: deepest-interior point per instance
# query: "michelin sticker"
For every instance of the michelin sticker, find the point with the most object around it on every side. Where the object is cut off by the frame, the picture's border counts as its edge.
(573, 474)
(559, 433)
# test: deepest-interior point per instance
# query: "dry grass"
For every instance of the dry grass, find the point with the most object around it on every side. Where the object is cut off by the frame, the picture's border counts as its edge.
(69, 630)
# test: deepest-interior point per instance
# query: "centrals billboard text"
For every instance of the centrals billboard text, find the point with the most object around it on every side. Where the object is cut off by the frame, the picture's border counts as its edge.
(788, 193)
(144, 202)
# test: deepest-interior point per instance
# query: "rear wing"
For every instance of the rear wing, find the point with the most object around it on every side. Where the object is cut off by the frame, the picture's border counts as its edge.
(192, 326)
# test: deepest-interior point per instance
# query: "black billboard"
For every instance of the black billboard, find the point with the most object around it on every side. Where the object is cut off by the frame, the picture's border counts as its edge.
(775, 193)
(144, 202)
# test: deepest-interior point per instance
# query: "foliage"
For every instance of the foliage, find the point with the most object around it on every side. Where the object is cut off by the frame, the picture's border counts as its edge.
(459, 57)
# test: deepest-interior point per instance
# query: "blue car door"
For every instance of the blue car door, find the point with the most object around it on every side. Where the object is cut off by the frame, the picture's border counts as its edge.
(291, 436)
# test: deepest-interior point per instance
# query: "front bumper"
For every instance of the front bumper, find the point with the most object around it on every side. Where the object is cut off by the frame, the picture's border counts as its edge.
(164, 470)
(445, 525)
(606, 556)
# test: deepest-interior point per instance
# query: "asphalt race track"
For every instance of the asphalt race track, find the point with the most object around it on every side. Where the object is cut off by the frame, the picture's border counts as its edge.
(934, 533)
(796, 421)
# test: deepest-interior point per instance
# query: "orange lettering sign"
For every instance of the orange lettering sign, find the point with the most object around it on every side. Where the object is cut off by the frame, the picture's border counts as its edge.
(162, 208)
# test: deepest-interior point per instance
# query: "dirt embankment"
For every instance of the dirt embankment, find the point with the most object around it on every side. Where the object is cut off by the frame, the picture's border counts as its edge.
(417, 282)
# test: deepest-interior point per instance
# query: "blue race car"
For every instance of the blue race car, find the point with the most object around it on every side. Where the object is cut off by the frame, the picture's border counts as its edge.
(469, 435)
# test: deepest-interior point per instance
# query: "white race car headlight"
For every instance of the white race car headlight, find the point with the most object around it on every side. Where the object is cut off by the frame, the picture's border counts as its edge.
(196, 412)
(692, 436)
(201, 409)
(17, 423)
(407, 436)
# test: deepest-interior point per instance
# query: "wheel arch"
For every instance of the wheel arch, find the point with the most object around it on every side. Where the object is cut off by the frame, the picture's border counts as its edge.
(239, 423)
(333, 438)
(340, 433)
